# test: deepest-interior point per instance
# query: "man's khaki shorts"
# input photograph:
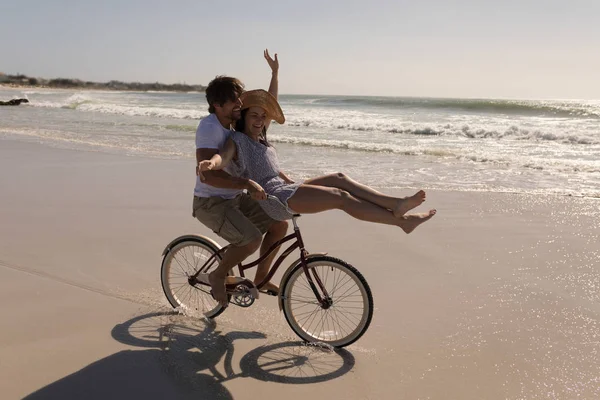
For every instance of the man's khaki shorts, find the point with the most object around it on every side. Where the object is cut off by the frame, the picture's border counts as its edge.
(240, 220)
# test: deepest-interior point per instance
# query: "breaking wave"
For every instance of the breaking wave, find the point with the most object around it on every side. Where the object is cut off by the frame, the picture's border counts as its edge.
(81, 102)
(460, 130)
(557, 108)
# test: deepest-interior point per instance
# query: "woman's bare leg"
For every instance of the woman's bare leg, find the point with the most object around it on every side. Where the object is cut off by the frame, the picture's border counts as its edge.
(310, 199)
(399, 206)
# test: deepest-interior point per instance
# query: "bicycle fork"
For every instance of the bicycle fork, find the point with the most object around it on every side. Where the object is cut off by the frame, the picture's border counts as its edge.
(312, 277)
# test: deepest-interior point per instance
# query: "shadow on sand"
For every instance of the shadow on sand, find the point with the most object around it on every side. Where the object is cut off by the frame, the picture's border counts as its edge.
(182, 358)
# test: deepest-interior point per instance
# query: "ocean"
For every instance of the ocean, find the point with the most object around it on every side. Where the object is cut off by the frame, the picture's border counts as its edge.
(496, 145)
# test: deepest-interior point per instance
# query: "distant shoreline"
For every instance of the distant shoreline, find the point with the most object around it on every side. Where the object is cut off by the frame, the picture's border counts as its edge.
(29, 87)
(26, 82)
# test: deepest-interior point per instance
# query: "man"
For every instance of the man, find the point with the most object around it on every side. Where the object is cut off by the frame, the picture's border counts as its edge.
(219, 200)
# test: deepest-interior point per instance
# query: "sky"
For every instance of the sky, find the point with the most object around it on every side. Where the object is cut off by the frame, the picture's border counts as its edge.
(533, 49)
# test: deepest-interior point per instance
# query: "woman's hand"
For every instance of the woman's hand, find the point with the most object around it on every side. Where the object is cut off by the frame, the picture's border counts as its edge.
(256, 191)
(285, 178)
(288, 180)
(204, 165)
(273, 63)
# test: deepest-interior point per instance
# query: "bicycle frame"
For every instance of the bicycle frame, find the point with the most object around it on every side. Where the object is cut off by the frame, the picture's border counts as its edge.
(298, 244)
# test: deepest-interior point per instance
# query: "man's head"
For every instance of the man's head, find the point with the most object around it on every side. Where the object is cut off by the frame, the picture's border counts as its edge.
(223, 97)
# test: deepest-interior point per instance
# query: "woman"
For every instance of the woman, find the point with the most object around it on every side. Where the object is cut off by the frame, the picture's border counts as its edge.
(248, 154)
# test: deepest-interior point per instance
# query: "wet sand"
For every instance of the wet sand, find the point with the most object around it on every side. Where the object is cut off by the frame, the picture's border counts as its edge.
(496, 297)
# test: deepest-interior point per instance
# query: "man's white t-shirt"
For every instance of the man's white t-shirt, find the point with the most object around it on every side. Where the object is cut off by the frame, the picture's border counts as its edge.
(211, 135)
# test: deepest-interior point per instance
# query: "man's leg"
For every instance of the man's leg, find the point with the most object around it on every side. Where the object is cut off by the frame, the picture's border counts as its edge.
(277, 231)
(233, 256)
(224, 217)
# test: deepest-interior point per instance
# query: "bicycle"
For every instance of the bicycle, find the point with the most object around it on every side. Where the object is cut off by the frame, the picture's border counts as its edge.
(314, 288)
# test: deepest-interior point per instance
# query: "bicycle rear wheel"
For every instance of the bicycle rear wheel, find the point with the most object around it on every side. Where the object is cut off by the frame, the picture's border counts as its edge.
(182, 261)
(350, 308)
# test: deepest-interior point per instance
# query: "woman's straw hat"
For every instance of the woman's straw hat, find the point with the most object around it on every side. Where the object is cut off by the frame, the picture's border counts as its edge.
(265, 100)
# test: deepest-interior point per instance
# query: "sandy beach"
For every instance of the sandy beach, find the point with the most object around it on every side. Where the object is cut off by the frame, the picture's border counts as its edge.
(497, 297)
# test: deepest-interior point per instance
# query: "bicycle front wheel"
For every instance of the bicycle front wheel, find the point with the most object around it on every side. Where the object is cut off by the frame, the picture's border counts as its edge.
(349, 309)
(183, 261)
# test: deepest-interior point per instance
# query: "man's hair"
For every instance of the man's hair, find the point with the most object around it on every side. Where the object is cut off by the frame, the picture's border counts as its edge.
(221, 89)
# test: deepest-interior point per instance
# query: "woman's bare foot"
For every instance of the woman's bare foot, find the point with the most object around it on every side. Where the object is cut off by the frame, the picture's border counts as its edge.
(408, 203)
(408, 223)
(217, 284)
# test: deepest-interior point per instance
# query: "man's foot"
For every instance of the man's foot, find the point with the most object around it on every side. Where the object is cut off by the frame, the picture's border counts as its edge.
(234, 280)
(409, 222)
(408, 203)
(217, 284)
(270, 288)
(229, 280)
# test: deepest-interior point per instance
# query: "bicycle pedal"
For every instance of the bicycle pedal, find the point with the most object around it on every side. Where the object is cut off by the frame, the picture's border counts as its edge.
(243, 287)
(269, 292)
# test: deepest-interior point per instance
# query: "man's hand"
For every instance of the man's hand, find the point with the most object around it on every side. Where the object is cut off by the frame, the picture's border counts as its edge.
(256, 191)
(274, 64)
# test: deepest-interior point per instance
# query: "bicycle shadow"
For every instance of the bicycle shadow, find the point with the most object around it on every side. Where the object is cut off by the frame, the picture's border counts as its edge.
(192, 347)
(128, 374)
(183, 356)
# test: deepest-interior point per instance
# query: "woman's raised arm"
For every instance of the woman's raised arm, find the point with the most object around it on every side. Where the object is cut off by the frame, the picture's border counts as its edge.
(274, 85)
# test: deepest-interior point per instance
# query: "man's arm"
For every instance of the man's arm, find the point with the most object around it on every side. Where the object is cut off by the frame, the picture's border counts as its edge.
(207, 145)
(218, 178)
(222, 179)
(218, 161)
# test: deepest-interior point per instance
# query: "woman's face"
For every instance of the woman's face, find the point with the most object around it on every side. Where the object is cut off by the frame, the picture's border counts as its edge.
(255, 121)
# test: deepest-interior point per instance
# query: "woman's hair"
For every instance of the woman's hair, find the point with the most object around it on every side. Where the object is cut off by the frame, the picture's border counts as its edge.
(240, 126)
(221, 89)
